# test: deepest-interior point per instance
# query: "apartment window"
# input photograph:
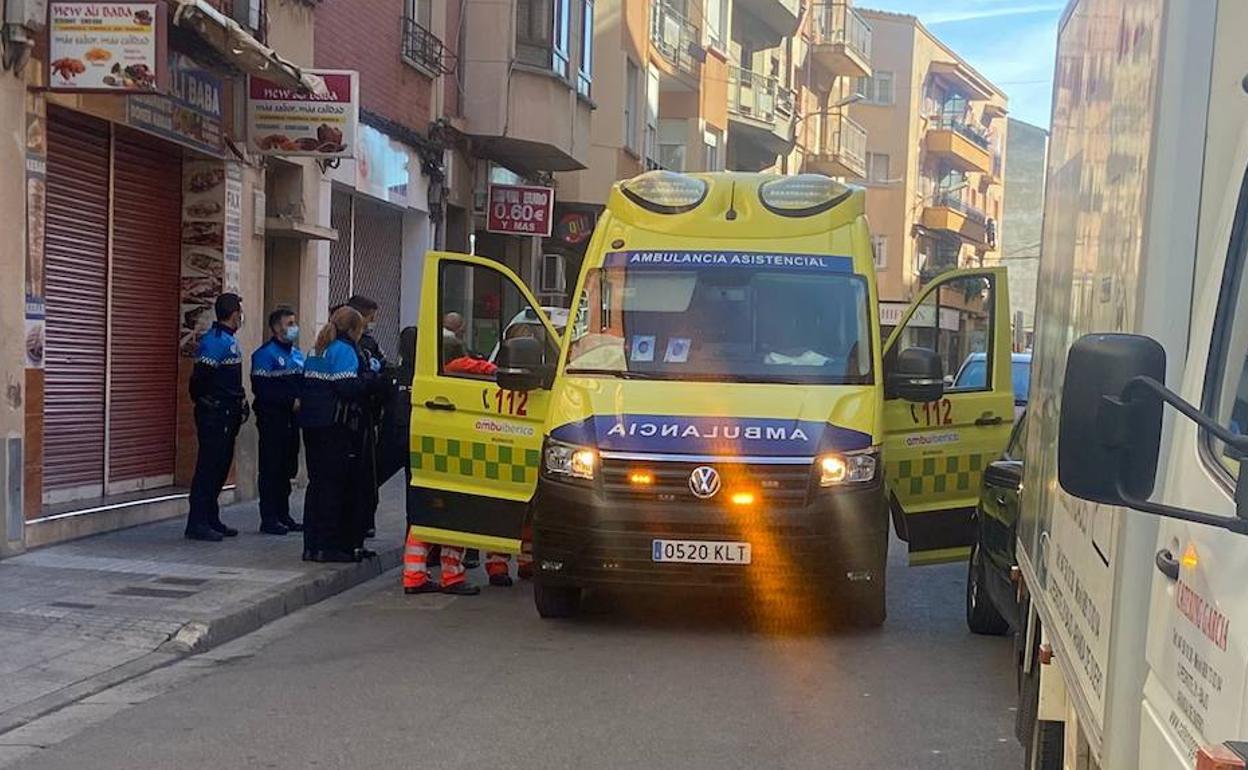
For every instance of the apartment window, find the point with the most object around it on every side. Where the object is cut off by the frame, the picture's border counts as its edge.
(879, 248)
(716, 18)
(250, 14)
(712, 140)
(877, 167)
(632, 94)
(652, 117)
(673, 136)
(543, 34)
(585, 67)
(421, 11)
(877, 89)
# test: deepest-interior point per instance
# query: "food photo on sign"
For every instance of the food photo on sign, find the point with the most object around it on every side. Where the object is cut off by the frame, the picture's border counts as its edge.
(285, 122)
(106, 46)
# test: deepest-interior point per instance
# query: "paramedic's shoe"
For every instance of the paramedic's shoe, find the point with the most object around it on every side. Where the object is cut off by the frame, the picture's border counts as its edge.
(462, 588)
(427, 587)
(501, 581)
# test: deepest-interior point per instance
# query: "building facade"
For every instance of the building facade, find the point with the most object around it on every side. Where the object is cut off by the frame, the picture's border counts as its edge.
(1028, 148)
(935, 159)
(139, 203)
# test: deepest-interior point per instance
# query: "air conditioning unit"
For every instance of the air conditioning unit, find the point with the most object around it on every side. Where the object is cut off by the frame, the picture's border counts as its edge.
(553, 277)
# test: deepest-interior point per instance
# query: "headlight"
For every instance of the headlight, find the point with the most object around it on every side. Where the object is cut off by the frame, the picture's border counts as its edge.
(837, 469)
(570, 461)
(665, 192)
(802, 195)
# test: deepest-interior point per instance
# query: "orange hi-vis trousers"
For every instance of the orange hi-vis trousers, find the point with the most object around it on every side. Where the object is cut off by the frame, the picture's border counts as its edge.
(416, 563)
(500, 563)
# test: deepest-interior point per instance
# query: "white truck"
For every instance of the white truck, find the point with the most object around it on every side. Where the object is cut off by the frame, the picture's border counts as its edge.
(1131, 547)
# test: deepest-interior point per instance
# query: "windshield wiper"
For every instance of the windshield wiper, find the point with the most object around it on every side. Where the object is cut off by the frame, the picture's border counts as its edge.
(618, 373)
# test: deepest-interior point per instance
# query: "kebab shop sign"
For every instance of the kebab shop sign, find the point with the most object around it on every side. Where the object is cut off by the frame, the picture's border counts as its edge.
(283, 121)
(520, 210)
(114, 47)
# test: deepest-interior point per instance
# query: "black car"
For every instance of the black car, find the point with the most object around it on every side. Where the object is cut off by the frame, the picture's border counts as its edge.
(991, 600)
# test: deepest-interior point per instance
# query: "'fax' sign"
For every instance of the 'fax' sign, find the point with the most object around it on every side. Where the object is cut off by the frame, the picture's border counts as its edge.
(520, 210)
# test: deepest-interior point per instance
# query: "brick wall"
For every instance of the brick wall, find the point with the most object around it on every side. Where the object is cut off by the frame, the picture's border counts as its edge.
(368, 36)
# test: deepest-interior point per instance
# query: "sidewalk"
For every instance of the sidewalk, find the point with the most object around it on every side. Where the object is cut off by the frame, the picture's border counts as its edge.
(83, 616)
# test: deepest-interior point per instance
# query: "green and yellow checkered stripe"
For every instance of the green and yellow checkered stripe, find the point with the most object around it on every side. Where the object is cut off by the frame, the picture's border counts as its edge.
(474, 459)
(937, 475)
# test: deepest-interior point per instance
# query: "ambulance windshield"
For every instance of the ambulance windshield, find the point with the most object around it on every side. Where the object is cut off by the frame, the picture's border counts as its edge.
(723, 316)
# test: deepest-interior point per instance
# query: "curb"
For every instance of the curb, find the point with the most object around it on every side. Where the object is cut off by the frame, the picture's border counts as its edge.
(203, 634)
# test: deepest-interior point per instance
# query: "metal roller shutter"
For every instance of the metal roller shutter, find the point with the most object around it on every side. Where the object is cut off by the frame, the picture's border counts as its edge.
(143, 391)
(378, 268)
(76, 275)
(340, 250)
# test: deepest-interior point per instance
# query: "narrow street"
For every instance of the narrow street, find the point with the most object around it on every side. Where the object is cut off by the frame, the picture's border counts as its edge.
(374, 678)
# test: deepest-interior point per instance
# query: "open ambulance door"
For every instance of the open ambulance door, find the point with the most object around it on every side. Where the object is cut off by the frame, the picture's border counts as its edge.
(935, 453)
(475, 448)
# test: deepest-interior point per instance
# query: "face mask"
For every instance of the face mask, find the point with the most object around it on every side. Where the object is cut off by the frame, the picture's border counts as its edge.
(292, 333)
(242, 320)
(372, 326)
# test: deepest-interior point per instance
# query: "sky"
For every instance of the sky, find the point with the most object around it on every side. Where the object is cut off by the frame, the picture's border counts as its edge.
(1010, 42)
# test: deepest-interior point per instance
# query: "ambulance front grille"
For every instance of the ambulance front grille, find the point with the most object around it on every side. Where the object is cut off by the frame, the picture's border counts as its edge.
(773, 485)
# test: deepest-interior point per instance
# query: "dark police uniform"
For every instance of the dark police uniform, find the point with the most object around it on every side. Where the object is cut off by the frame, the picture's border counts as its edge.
(372, 362)
(276, 376)
(333, 415)
(220, 408)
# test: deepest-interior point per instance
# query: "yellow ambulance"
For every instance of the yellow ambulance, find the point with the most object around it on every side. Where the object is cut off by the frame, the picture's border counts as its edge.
(721, 412)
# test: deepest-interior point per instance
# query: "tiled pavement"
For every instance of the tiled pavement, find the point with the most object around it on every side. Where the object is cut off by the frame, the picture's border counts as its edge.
(79, 617)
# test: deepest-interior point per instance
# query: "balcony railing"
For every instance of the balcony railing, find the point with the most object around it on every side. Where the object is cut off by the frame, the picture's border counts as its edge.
(425, 50)
(844, 141)
(839, 23)
(675, 37)
(963, 129)
(954, 199)
(759, 97)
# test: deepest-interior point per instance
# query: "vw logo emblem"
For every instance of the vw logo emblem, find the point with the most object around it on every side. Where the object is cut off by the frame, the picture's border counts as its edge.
(704, 482)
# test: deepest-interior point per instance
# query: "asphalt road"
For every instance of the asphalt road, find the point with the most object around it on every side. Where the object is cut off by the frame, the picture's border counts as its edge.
(378, 679)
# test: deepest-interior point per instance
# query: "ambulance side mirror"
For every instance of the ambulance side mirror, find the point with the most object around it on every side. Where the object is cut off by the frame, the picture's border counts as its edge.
(520, 364)
(1109, 438)
(915, 374)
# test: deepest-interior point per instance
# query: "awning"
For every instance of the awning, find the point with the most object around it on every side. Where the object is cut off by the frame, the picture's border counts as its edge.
(967, 78)
(240, 48)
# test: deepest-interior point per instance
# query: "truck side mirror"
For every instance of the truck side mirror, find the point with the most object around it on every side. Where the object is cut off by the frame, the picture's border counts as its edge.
(1110, 433)
(520, 364)
(915, 374)
(1107, 445)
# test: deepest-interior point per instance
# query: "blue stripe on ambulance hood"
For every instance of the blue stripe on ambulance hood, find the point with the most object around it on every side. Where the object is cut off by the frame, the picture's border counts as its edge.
(667, 434)
(713, 259)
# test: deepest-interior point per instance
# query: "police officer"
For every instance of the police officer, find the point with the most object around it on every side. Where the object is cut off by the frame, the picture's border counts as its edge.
(331, 413)
(373, 362)
(220, 409)
(276, 375)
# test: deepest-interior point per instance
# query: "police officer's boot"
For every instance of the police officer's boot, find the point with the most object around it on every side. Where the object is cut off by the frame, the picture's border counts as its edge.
(273, 528)
(290, 524)
(204, 533)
